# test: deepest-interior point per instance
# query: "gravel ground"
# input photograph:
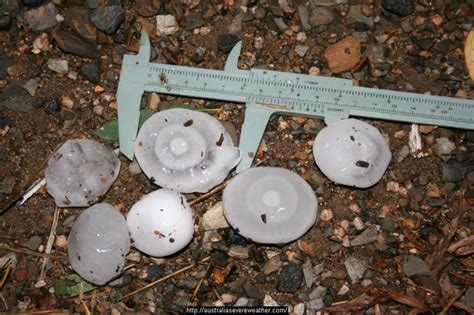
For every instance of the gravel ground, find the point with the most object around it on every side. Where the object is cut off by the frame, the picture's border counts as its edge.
(404, 245)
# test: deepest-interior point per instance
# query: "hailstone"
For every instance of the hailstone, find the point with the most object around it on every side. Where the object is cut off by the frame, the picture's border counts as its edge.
(161, 223)
(98, 243)
(80, 172)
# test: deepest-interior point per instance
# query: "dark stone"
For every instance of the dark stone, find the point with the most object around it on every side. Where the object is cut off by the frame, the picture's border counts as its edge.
(252, 292)
(39, 102)
(388, 224)
(130, 303)
(193, 21)
(20, 103)
(237, 285)
(257, 254)
(261, 278)
(75, 45)
(108, 19)
(5, 22)
(78, 20)
(453, 171)
(254, 303)
(53, 106)
(91, 71)
(361, 27)
(290, 278)
(6, 121)
(32, 3)
(218, 258)
(145, 8)
(399, 7)
(226, 42)
(426, 282)
(156, 272)
(247, 17)
(12, 91)
(443, 46)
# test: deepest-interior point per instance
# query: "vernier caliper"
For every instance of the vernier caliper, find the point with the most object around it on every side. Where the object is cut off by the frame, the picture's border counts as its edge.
(270, 92)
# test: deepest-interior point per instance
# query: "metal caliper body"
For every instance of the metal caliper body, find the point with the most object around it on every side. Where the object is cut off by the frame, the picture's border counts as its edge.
(270, 92)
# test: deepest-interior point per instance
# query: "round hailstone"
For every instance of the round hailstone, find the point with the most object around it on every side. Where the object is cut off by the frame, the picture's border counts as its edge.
(351, 152)
(161, 223)
(185, 150)
(80, 172)
(270, 205)
(98, 243)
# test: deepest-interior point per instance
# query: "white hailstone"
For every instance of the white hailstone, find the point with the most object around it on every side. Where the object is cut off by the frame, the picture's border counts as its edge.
(161, 223)
(270, 205)
(80, 172)
(185, 150)
(98, 243)
(351, 152)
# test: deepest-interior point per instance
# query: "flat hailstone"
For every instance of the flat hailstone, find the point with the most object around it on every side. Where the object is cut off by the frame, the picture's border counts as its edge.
(351, 152)
(98, 243)
(161, 223)
(80, 172)
(270, 205)
(185, 150)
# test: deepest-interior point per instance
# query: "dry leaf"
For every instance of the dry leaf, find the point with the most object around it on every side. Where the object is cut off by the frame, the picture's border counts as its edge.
(407, 300)
(362, 302)
(469, 53)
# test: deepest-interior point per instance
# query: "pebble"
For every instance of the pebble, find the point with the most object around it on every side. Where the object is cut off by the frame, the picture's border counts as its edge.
(299, 309)
(280, 23)
(469, 297)
(219, 258)
(358, 223)
(145, 8)
(444, 147)
(226, 42)
(321, 16)
(239, 252)
(452, 171)
(251, 291)
(79, 21)
(367, 237)
(33, 242)
(304, 17)
(166, 25)
(214, 218)
(155, 272)
(414, 265)
(31, 86)
(67, 102)
(108, 19)
(75, 45)
(355, 268)
(343, 55)
(309, 277)
(355, 15)
(41, 18)
(399, 7)
(272, 265)
(91, 71)
(241, 301)
(93, 4)
(290, 278)
(318, 293)
(402, 153)
(316, 304)
(301, 50)
(269, 301)
(61, 241)
(326, 215)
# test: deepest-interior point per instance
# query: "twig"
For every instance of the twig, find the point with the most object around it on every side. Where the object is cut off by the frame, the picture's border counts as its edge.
(49, 244)
(210, 193)
(196, 290)
(452, 301)
(4, 302)
(30, 252)
(464, 306)
(152, 284)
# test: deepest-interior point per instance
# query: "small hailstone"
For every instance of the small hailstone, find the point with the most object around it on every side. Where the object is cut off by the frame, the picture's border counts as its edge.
(98, 243)
(80, 172)
(161, 223)
(351, 152)
(185, 150)
(270, 205)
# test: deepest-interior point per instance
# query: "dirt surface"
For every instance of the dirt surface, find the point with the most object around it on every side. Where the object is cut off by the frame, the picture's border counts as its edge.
(421, 208)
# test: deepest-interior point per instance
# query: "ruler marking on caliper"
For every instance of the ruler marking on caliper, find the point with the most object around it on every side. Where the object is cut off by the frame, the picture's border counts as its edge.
(268, 92)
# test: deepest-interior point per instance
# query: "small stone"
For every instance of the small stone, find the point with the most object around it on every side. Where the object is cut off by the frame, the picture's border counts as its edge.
(226, 42)
(241, 301)
(308, 277)
(134, 256)
(61, 241)
(41, 18)
(402, 153)
(31, 86)
(414, 265)
(343, 55)
(166, 25)
(108, 19)
(269, 301)
(91, 71)
(393, 187)
(219, 258)
(93, 4)
(281, 24)
(316, 304)
(355, 268)
(452, 171)
(33, 242)
(41, 43)
(321, 16)
(301, 37)
(75, 45)
(367, 237)
(469, 297)
(304, 17)
(251, 291)
(299, 309)
(214, 218)
(58, 65)
(318, 293)
(153, 100)
(227, 298)
(239, 252)
(433, 191)
(301, 50)
(326, 215)
(236, 25)
(145, 8)
(156, 272)
(79, 21)
(356, 15)
(444, 147)
(318, 269)
(399, 7)
(358, 223)
(272, 265)
(67, 102)
(290, 278)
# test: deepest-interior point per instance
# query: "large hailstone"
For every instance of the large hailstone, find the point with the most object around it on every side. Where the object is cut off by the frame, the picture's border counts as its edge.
(98, 243)
(270, 205)
(351, 152)
(185, 150)
(161, 223)
(80, 172)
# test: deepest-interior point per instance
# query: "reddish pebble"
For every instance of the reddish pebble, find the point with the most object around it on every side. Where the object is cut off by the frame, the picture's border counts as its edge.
(20, 274)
